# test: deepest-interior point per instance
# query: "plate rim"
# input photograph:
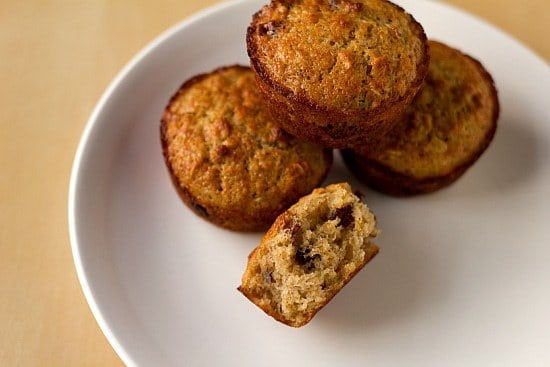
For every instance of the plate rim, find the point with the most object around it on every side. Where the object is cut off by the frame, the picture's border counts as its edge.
(90, 126)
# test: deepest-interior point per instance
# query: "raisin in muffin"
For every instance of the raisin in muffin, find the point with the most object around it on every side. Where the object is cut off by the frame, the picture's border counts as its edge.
(228, 159)
(444, 131)
(312, 250)
(336, 72)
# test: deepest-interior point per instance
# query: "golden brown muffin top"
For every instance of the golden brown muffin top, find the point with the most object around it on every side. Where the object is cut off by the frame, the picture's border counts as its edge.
(225, 149)
(449, 121)
(338, 54)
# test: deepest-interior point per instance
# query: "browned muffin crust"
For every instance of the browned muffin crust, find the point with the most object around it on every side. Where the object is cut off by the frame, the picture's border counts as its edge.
(312, 250)
(336, 72)
(228, 159)
(450, 123)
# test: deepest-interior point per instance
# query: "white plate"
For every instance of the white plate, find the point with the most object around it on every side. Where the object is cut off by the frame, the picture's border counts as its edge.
(462, 279)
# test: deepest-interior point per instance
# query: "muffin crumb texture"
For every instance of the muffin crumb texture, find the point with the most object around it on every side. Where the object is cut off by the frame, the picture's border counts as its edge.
(311, 251)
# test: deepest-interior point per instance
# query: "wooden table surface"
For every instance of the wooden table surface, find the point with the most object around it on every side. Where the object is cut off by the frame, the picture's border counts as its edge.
(56, 58)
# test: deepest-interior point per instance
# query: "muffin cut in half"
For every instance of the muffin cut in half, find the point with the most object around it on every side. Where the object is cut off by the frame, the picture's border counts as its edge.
(448, 126)
(228, 159)
(336, 72)
(312, 250)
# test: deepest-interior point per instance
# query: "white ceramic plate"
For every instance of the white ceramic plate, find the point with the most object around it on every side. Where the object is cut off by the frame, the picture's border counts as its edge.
(462, 279)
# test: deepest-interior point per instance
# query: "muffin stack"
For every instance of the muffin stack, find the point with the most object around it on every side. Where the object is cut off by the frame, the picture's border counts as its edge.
(358, 76)
(245, 147)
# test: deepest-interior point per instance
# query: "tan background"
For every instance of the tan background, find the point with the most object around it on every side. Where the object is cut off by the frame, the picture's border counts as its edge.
(56, 58)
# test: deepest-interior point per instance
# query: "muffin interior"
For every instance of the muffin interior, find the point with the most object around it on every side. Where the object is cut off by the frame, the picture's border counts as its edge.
(321, 244)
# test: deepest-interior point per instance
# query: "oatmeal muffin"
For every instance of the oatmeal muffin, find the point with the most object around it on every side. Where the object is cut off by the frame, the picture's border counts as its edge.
(443, 132)
(228, 159)
(312, 250)
(336, 72)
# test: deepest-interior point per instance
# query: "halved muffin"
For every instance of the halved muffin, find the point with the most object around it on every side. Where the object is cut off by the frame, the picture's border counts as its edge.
(336, 72)
(228, 159)
(450, 123)
(312, 250)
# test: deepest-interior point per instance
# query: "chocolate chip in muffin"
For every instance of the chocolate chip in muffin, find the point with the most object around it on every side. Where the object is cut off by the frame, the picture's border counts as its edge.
(344, 214)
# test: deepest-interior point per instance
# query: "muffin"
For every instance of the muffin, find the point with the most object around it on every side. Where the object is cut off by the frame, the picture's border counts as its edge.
(336, 72)
(228, 159)
(312, 250)
(450, 123)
